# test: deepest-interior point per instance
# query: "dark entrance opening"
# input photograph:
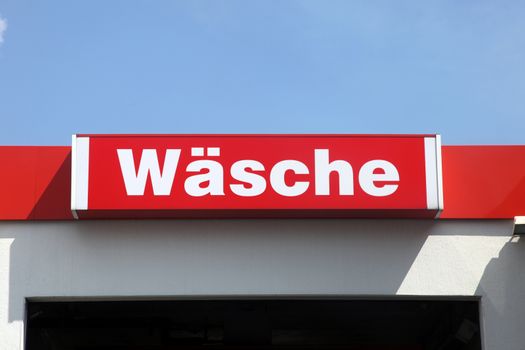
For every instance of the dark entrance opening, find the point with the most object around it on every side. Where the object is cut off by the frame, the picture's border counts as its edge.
(255, 324)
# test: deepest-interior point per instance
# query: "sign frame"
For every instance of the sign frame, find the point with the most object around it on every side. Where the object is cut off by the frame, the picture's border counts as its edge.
(80, 182)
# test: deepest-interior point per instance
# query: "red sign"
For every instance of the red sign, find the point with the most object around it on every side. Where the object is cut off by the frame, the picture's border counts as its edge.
(147, 176)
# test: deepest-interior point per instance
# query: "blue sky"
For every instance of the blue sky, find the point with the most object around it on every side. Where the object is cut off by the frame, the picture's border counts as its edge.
(451, 67)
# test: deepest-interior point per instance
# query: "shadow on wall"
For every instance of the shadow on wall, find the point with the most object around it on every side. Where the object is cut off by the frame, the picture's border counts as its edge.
(502, 287)
(209, 257)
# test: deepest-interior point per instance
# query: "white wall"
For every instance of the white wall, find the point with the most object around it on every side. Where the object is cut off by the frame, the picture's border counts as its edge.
(265, 257)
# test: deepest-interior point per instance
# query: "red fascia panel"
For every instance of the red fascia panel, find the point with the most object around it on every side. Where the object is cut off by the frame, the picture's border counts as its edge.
(480, 182)
(483, 182)
(35, 183)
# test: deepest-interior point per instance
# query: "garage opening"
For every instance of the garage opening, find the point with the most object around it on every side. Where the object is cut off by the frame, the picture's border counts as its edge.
(254, 324)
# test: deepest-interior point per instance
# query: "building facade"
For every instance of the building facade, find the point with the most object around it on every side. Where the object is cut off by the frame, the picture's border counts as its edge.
(314, 276)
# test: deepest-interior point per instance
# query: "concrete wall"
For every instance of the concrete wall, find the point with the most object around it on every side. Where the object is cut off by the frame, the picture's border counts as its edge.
(265, 257)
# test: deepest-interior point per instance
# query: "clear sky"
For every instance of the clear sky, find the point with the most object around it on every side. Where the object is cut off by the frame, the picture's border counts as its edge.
(451, 67)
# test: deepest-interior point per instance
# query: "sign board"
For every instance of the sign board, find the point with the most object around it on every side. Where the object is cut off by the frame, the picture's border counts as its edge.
(244, 176)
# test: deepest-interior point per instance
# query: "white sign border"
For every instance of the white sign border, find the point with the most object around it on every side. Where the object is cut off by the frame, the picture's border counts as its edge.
(79, 174)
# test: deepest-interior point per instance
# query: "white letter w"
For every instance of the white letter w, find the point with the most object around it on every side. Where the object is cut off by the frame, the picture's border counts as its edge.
(149, 163)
